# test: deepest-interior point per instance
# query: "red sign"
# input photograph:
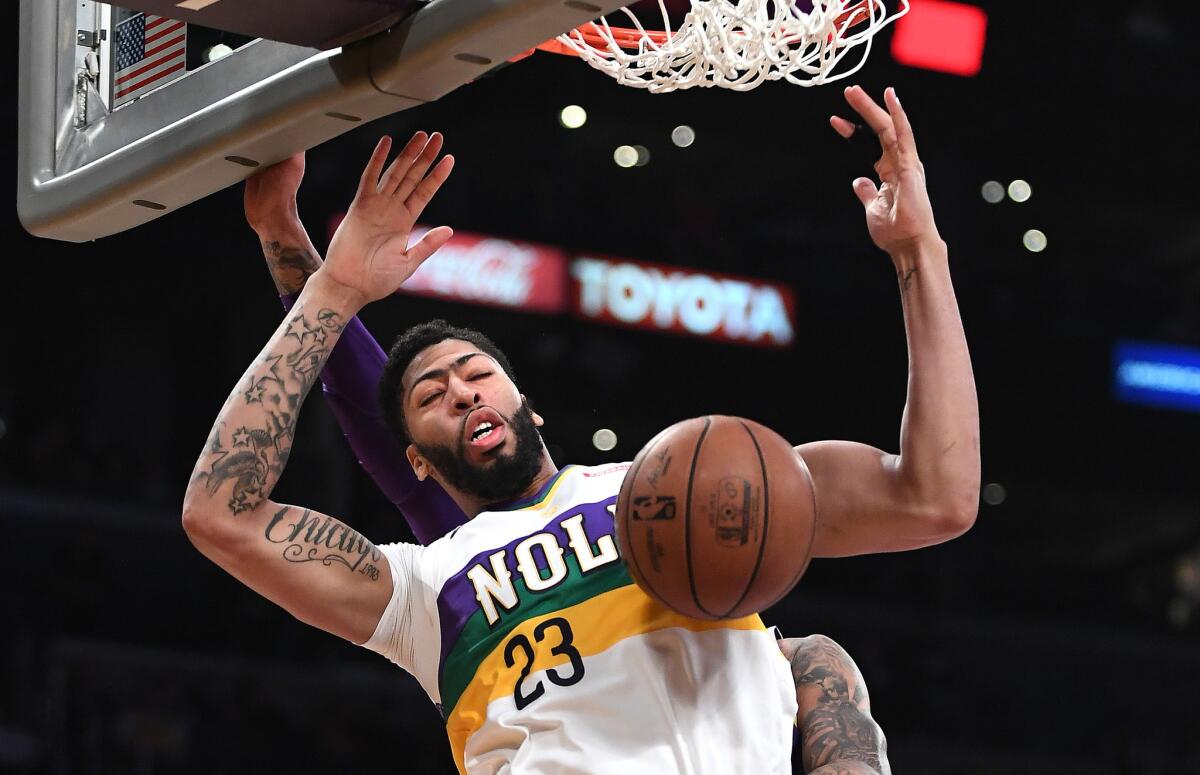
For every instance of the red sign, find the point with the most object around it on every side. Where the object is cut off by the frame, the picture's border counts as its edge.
(684, 301)
(477, 269)
(941, 35)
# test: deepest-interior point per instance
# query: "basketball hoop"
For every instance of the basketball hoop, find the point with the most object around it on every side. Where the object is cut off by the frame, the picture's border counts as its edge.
(733, 44)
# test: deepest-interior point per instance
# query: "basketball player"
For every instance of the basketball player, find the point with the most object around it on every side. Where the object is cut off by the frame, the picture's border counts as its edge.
(834, 719)
(517, 650)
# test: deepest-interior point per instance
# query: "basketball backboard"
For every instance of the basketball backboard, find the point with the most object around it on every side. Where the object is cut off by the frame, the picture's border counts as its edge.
(92, 163)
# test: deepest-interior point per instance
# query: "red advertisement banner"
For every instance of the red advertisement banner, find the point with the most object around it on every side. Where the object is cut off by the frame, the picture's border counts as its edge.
(478, 269)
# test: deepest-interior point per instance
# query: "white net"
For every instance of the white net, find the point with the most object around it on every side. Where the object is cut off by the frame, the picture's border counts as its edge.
(737, 44)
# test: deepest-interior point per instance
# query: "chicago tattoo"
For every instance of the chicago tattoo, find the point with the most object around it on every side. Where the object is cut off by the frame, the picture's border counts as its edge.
(839, 735)
(252, 451)
(318, 538)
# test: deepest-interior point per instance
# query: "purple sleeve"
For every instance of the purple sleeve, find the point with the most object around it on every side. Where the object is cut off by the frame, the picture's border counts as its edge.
(351, 380)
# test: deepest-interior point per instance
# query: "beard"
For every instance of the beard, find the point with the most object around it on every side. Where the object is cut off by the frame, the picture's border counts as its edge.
(505, 476)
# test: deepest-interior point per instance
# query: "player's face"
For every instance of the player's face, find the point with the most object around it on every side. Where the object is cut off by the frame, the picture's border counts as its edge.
(468, 421)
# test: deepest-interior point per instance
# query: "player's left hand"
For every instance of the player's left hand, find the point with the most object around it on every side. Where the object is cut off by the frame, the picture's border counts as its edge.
(369, 253)
(898, 211)
(270, 196)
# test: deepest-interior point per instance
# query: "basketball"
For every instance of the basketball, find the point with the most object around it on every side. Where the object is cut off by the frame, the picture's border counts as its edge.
(716, 517)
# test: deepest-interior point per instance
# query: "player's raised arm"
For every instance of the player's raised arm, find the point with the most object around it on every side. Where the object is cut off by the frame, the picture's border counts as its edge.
(837, 734)
(868, 500)
(350, 378)
(271, 210)
(310, 564)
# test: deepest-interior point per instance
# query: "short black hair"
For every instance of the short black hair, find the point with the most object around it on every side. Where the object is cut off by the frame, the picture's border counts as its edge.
(407, 346)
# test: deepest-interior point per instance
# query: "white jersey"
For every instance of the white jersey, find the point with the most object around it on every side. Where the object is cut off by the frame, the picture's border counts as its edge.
(527, 631)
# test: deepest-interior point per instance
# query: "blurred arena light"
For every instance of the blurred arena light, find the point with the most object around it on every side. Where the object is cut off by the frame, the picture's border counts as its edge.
(942, 36)
(1034, 241)
(3, 428)
(219, 51)
(994, 494)
(1020, 191)
(625, 156)
(1157, 374)
(604, 440)
(1179, 612)
(643, 155)
(992, 192)
(572, 117)
(1187, 575)
(683, 136)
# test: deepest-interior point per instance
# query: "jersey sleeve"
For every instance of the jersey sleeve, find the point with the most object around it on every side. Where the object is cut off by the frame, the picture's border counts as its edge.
(408, 633)
(350, 382)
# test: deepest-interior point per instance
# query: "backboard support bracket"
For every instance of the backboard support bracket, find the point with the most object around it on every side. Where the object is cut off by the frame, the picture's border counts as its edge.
(85, 172)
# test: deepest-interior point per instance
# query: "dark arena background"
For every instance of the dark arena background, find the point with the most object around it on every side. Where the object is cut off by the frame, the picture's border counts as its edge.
(1060, 635)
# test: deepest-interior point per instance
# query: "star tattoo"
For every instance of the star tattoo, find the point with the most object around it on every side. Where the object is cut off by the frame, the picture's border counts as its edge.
(255, 394)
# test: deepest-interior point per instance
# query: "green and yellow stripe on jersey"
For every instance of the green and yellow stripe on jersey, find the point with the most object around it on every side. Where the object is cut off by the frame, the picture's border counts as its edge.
(595, 597)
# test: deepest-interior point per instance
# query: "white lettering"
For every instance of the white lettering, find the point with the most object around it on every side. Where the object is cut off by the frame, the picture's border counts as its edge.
(528, 566)
(699, 303)
(666, 299)
(768, 316)
(494, 586)
(588, 559)
(630, 293)
(590, 274)
(737, 308)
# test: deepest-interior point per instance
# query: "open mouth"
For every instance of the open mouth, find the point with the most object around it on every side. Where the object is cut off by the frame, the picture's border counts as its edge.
(484, 430)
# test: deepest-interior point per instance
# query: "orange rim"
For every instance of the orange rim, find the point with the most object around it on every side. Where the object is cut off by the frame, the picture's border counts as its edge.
(628, 37)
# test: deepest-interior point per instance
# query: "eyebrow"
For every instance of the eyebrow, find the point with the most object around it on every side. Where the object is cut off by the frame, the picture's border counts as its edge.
(440, 373)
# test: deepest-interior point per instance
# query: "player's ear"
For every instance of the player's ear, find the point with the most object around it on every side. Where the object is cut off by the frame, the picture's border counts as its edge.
(537, 418)
(420, 465)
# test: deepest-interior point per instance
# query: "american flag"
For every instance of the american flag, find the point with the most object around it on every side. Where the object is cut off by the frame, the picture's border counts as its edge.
(151, 51)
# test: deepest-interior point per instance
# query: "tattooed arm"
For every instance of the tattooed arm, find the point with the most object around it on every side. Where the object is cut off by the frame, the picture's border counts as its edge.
(838, 735)
(351, 377)
(314, 566)
(271, 210)
(320, 570)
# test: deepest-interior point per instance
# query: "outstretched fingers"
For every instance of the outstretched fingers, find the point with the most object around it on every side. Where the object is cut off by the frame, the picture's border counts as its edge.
(905, 141)
(400, 166)
(426, 189)
(843, 127)
(404, 184)
(370, 176)
(882, 123)
(429, 244)
(876, 117)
